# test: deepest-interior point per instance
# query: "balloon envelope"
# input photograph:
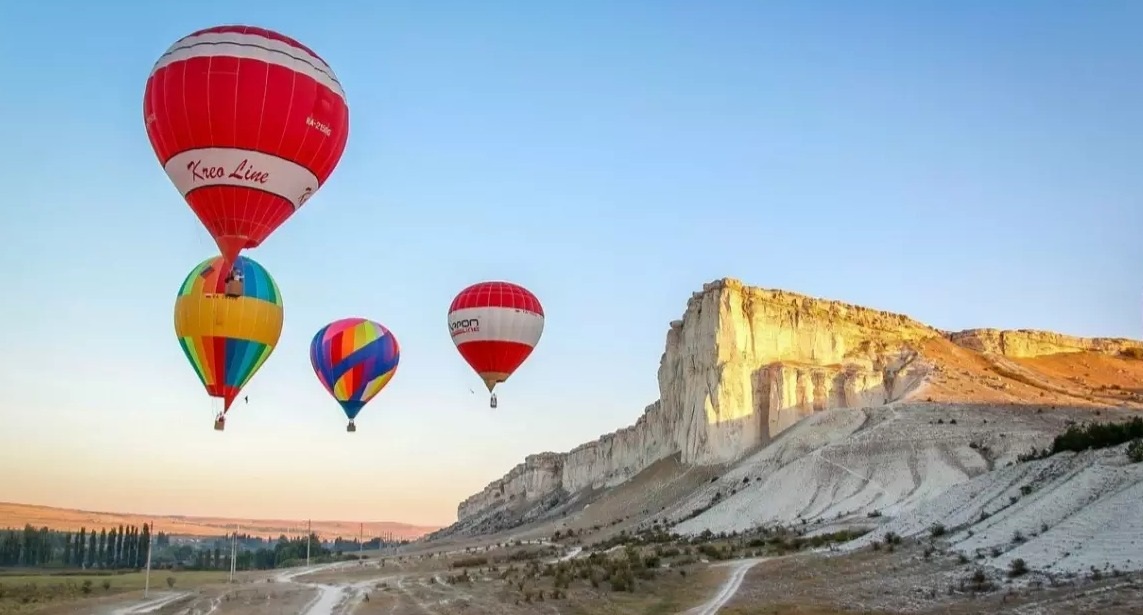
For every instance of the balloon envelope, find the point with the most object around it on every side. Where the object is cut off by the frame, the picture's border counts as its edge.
(354, 359)
(495, 326)
(228, 338)
(248, 124)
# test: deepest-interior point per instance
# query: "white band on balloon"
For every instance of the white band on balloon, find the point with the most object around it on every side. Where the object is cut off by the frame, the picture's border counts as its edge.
(250, 46)
(495, 324)
(226, 166)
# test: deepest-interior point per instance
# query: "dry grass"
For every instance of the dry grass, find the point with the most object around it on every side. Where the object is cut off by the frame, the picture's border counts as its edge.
(262, 599)
(486, 593)
(876, 582)
(791, 609)
(17, 515)
(23, 593)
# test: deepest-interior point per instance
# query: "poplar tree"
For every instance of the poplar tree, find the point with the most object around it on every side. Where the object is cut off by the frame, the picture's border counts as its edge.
(92, 549)
(101, 550)
(80, 548)
(144, 545)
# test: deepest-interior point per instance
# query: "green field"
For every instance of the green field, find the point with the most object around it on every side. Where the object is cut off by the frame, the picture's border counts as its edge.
(21, 592)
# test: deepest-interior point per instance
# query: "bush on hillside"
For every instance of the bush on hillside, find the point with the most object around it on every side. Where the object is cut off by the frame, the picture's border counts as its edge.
(1132, 353)
(1079, 438)
(1135, 451)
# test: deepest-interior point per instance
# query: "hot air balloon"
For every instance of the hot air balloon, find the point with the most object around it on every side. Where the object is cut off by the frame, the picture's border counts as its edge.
(248, 124)
(495, 326)
(354, 359)
(228, 320)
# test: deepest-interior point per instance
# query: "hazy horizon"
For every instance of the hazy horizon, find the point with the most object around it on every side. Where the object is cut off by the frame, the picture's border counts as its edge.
(136, 513)
(969, 164)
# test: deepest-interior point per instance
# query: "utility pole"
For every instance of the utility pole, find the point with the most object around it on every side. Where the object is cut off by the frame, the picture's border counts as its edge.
(234, 552)
(309, 536)
(360, 544)
(147, 578)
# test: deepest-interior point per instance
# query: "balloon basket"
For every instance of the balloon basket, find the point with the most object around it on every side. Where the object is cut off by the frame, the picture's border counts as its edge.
(219, 424)
(351, 427)
(492, 402)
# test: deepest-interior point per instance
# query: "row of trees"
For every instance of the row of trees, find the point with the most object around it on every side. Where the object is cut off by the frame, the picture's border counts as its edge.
(125, 547)
(121, 547)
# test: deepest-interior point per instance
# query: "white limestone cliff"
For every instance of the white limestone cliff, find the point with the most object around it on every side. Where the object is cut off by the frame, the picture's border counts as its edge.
(743, 365)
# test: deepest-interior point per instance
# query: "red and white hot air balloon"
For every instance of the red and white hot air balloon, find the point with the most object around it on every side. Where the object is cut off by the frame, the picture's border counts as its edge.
(495, 326)
(248, 124)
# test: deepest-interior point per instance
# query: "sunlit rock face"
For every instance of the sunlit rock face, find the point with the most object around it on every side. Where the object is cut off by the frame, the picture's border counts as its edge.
(745, 364)
(1027, 344)
(741, 366)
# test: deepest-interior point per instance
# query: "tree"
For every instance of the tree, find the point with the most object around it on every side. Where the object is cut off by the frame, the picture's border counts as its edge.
(145, 546)
(132, 555)
(92, 550)
(67, 549)
(80, 548)
(44, 544)
(101, 550)
(109, 554)
(117, 557)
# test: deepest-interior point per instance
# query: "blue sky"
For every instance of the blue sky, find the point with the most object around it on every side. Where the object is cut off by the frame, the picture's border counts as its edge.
(968, 163)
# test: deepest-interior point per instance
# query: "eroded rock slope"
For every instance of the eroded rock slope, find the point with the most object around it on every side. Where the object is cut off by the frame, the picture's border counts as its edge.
(744, 364)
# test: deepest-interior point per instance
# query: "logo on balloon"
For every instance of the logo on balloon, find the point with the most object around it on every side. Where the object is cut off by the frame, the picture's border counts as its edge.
(305, 196)
(244, 171)
(466, 325)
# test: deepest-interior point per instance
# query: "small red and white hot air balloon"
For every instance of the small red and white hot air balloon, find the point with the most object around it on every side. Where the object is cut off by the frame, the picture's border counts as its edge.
(495, 326)
(248, 124)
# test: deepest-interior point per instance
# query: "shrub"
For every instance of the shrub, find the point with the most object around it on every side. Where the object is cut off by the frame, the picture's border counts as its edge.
(1132, 353)
(1135, 451)
(1017, 567)
(1079, 438)
(469, 562)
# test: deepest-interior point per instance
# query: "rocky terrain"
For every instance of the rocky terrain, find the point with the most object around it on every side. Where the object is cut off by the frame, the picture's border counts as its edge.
(781, 409)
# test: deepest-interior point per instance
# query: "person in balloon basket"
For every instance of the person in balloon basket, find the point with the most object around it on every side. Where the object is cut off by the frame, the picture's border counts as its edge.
(234, 284)
(220, 420)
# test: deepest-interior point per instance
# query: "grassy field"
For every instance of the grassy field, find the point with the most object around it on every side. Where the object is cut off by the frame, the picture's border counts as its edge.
(27, 593)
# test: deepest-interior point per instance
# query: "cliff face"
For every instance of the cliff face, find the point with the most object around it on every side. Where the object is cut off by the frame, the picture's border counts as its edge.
(743, 365)
(524, 484)
(1027, 344)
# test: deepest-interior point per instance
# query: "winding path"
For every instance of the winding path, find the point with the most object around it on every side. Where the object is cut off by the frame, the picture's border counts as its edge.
(151, 605)
(729, 587)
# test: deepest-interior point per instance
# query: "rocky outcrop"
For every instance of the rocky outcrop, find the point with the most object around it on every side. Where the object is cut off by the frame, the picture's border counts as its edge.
(528, 482)
(740, 367)
(1027, 344)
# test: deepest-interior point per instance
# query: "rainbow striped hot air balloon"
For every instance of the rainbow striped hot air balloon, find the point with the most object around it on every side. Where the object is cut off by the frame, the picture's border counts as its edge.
(354, 359)
(227, 322)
